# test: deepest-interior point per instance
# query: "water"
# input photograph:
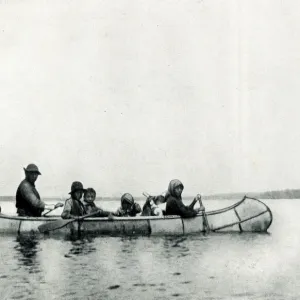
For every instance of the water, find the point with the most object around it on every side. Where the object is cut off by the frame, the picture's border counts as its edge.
(216, 266)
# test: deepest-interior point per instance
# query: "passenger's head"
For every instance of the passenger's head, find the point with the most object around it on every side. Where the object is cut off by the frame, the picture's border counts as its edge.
(77, 190)
(31, 173)
(127, 201)
(159, 199)
(175, 188)
(89, 195)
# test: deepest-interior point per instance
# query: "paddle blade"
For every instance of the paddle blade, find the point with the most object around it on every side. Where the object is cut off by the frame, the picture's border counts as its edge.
(53, 225)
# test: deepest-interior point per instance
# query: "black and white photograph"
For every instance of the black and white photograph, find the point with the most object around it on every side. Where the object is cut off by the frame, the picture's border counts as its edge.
(149, 149)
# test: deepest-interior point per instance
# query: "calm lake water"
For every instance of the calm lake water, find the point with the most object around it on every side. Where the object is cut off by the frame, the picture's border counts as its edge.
(215, 266)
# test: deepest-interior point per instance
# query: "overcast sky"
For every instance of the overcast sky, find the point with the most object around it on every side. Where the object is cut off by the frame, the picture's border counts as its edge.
(127, 95)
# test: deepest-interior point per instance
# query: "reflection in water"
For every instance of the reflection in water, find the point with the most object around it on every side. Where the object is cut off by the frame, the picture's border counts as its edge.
(127, 252)
(176, 245)
(27, 248)
(213, 267)
(128, 243)
(82, 246)
(27, 268)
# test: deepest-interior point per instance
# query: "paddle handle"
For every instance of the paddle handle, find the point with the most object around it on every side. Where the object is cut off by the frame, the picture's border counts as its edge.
(204, 213)
(199, 199)
(49, 211)
(57, 205)
(79, 218)
(86, 216)
(147, 195)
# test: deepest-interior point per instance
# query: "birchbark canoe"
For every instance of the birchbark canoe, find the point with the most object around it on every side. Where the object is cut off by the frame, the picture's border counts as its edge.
(247, 215)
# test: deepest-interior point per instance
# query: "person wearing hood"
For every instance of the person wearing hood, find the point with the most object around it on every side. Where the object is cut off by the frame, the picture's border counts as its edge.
(175, 205)
(128, 207)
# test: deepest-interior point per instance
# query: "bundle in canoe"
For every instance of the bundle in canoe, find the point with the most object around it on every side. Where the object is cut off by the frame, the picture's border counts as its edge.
(247, 215)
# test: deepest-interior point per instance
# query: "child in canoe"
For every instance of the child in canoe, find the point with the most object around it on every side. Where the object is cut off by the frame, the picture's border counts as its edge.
(128, 208)
(175, 205)
(151, 207)
(90, 206)
(74, 208)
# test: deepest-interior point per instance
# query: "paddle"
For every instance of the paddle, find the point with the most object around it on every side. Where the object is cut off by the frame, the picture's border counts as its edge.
(156, 208)
(146, 194)
(204, 214)
(57, 205)
(53, 225)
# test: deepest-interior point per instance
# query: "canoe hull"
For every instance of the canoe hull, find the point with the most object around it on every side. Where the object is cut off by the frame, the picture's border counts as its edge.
(248, 215)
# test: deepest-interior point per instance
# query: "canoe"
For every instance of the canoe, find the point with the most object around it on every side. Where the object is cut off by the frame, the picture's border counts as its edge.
(247, 215)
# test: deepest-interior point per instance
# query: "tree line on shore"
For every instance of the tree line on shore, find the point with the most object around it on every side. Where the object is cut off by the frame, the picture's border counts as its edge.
(282, 194)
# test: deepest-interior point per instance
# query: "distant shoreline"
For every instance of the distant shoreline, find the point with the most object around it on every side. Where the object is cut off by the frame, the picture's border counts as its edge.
(270, 195)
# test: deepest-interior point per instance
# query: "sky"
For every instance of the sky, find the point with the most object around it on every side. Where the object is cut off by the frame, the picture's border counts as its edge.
(127, 95)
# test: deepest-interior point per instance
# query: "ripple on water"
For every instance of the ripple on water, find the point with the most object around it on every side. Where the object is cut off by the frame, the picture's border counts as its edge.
(139, 284)
(67, 294)
(239, 295)
(183, 255)
(114, 287)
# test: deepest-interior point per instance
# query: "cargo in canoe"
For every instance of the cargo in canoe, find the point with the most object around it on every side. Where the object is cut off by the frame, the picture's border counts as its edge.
(247, 215)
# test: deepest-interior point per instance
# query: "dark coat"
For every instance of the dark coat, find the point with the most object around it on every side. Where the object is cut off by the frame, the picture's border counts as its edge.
(28, 201)
(175, 205)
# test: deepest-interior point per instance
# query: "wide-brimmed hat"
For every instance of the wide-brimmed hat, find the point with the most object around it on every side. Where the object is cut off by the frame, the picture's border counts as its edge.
(33, 169)
(77, 186)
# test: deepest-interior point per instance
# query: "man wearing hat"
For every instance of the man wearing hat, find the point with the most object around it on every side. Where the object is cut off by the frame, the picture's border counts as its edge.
(74, 207)
(28, 201)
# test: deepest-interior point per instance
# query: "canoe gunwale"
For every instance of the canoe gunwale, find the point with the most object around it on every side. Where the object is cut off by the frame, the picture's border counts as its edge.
(222, 210)
(208, 213)
(218, 211)
(241, 221)
(155, 224)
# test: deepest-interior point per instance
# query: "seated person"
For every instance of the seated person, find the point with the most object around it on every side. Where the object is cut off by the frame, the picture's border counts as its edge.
(128, 207)
(151, 207)
(74, 208)
(90, 206)
(28, 201)
(175, 205)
